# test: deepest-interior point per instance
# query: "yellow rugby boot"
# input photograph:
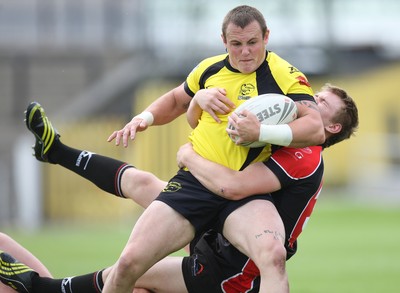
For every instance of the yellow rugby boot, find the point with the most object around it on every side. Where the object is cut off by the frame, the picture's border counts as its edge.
(15, 274)
(45, 134)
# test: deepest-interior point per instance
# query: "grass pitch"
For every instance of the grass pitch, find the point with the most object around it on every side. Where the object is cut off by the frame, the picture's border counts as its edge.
(346, 247)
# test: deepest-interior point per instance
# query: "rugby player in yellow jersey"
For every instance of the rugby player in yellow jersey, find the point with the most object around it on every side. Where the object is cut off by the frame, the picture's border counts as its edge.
(214, 265)
(185, 208)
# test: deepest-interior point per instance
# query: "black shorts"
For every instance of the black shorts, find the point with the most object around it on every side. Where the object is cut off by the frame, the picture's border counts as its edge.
(215, 266)
(202, 208)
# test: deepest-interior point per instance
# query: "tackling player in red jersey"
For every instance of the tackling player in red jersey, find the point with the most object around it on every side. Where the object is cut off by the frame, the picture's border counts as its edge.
(293, 175)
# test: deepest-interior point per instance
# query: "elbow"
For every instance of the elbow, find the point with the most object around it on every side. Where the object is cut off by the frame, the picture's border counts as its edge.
(231, 193)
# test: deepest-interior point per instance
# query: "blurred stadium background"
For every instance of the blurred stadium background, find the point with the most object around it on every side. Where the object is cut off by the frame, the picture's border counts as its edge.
(93, 64)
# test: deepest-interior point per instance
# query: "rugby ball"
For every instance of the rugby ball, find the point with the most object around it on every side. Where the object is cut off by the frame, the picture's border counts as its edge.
(270, 109)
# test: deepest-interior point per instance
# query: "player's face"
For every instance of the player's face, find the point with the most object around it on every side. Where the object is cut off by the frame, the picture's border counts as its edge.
(328, 104)
(246, 47)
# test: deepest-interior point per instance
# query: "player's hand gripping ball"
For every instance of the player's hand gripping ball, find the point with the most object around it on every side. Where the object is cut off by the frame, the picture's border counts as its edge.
(270, 109)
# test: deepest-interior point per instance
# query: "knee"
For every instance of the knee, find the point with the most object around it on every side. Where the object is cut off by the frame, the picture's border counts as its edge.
(272, 257)
(127, 267)
(279, 258)
(143, 178)
(137, 178)
(140, 186)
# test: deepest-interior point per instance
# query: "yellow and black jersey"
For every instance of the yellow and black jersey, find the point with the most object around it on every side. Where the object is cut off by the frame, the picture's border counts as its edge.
(275, 75)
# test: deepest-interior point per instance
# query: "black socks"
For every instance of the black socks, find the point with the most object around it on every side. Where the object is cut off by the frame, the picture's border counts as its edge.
(90, 283)
(104, 172)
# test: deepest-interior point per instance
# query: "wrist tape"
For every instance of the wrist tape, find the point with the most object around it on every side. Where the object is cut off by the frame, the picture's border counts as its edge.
(276, 134)
(146, 116)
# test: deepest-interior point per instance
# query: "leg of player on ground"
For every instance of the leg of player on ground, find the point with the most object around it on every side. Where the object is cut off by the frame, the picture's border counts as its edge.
(256, 229)
(10, 246)
(164, 277)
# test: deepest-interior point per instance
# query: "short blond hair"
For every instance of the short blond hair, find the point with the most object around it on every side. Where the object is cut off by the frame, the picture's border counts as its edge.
(347, 116)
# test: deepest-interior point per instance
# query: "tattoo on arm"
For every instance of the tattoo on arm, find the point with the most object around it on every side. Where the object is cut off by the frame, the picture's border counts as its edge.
(309, 104)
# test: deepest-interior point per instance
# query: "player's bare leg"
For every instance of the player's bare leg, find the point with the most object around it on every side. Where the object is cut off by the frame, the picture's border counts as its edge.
(164, 277)
(256, 229)
(141, 186)
(158, 232)
(12, 247)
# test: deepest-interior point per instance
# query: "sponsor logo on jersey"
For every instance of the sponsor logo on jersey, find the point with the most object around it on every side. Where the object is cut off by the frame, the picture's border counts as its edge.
(293, 69)
(303, 81)
(245, 91)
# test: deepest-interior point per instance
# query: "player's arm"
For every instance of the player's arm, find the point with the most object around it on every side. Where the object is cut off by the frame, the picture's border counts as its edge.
(226, 182)
(162, 111)
(306, 130)
(213, 101)
(193, 114)
(170, 105)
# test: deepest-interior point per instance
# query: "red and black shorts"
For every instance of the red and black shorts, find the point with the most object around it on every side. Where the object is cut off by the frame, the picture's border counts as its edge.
(215, 266)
